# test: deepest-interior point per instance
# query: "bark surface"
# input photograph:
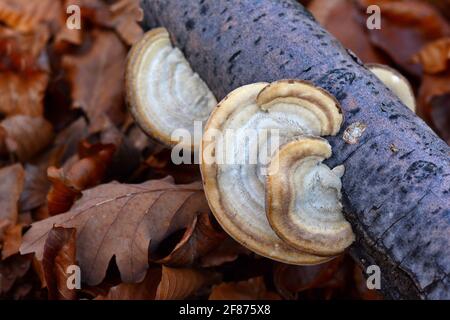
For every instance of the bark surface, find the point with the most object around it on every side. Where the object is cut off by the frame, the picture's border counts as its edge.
(397, 180)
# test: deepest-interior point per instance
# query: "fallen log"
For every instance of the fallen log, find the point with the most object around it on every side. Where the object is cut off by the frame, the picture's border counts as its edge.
(397, 180)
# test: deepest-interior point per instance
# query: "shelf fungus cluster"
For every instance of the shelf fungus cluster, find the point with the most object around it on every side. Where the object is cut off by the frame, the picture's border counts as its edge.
(288, 209)
(286, 203)
(163, 93)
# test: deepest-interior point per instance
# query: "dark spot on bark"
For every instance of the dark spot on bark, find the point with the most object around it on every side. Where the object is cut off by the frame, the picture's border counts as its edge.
(324, 44)
(190, 24)
(204, 9)
(203, 29)
(185, 13)
(229, 18)
(218, 38)
(336, 81)
(257, 40)
(259, 17)
(355, 111)
(306, 70)
(281, 52)
(230, 27)
(281, 14)
(319, 36)
(224, 10)
(393, 117)
(419, 171)
(234, 56)
(293, 29)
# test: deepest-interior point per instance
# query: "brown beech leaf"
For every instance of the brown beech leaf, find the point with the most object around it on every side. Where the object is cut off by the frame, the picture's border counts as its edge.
(123, 16)
(88, 171)
(177, 284)
(26, 15)
(23, 71)
(443, 5)
(12, 181)
(12, 269)
(341, 18)
(252, 289)
(127, 157)
(164, 283)
(290, 280)
(406, 26)
(199, 238)
(25, 136)
(36, 187)
(228, 251)
(96, 78)
(59, 254)
(12, 241)
(441, 114)
(122, 220)
(434, 56)
(22, 94)
(434, 104)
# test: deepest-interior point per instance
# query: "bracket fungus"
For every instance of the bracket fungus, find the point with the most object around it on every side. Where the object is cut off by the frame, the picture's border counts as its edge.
(303, 198)
(164, 94)
(396, 82)
(293, 190)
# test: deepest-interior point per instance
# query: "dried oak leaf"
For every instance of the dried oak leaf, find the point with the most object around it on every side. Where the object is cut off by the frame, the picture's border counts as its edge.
(406, 26)
(36, 187)
(290, 280)
(25, 136)
(164, 284)
(88, 171)
(11, 186)
(443, 5)
(127, 157)
(341, 18)
(229, 250)
(65, 145)
(23, 72)
(59, 254)
(434, 56)
(26, 15)
(252, 289)
(96, 78)
(434, 92)
(434, 103)
(199, 238)
(123, 16)
(12, 241)
(122, 220)
(12, 269)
